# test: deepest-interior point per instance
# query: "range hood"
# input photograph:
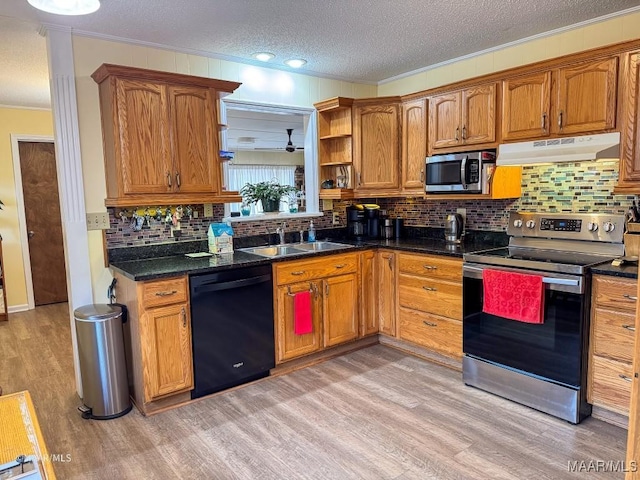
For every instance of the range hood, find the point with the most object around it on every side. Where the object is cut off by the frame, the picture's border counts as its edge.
(557, 150)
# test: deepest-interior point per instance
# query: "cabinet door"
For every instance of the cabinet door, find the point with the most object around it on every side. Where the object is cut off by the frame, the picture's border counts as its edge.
(340, 308)
(386, 273)
(414, 145)
(629, 131)
(587, 97)
(143, 137)
(288, 344)
(368, 294)
(376, 149)
(479, 114)
(194, 139)
(526, 103)
(165, 339)
(444, 120)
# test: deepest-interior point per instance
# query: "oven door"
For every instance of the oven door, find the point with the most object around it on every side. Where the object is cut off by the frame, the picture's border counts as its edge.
(553, 350)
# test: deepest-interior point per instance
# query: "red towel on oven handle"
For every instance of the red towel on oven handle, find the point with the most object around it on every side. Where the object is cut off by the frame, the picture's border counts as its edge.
(515, 296)
(302, 320)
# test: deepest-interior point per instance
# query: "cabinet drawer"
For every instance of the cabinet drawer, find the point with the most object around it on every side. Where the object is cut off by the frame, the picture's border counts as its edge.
(611, 335)
(431, 296)
(164, 292)
(293, 272)
(618, 293)
(432, 266)
(436, 333)
(609, 388)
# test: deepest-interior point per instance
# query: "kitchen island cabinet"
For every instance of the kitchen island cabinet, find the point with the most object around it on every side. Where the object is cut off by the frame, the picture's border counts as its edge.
(161, 136)
(157, 340)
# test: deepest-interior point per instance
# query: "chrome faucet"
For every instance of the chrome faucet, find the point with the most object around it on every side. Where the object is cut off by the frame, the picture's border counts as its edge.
(301, 236)
(280, 232)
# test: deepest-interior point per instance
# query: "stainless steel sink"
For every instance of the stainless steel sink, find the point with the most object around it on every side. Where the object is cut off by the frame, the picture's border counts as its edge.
(274, 251)
(294, 249)
(322, 246)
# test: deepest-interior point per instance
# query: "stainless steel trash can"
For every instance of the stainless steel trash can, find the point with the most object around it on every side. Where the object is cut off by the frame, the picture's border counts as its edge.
(103, 368)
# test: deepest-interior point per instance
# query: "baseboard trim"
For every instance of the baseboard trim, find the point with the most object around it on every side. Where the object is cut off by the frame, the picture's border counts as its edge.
(18, 308)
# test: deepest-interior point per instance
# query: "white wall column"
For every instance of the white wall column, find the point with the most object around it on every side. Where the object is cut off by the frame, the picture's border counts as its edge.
(69, 166)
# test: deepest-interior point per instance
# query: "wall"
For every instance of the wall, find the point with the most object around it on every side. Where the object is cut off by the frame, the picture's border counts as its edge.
(21, 122)
(618, 29)
(258, 84)
(567, 187)
(247, 157)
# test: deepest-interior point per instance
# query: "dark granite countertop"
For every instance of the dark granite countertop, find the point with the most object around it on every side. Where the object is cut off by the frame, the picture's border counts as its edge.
(626, 270)
(170, 260)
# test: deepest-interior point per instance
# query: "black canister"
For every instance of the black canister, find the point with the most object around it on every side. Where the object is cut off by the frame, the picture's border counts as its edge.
(398, 226)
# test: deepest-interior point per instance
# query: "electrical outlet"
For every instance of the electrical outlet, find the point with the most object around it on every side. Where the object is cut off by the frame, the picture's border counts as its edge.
(208, 210)
(336, 218)
(98, 221)
(463, 212)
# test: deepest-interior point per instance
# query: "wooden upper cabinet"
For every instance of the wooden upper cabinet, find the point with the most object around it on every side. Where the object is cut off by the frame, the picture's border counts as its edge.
(629, 180)
(376, 145)
(586, 97)
(461, 118)
(194, 139)
(144, 144)
(444, 120)
(414, 145)
(479, 115)
(526, 106)
(160, 135)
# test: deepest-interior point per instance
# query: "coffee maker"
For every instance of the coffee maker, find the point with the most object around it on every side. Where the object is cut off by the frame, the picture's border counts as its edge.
(363, 221)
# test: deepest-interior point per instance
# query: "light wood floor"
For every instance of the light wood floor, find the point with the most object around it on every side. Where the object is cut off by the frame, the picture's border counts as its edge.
(373, 414)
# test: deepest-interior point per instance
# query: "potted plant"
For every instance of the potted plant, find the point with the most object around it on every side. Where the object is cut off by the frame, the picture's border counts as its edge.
(269, 193)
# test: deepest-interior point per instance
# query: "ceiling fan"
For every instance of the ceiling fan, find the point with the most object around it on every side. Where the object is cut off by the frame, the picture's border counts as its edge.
(290, 147)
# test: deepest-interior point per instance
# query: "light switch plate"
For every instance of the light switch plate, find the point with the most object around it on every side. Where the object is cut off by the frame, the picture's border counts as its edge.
(98, 221)
(208, 210)
(463, 212)
(336, 218)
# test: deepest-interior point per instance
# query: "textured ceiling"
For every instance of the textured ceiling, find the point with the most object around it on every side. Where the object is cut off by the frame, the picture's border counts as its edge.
(358, 40)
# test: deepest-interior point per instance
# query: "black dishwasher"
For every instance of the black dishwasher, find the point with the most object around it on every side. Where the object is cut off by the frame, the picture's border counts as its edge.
(232, 328)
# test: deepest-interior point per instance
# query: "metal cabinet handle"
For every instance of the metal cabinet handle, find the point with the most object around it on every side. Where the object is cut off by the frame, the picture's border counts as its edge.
(298, 273)
(169, 179)
(184, 318)
(464, 133)
(544, 121)
(178, 179)
(166, 294)
(625, 378)
(457, 132)
(390, 261)
(430, 267)
(631, 328)
(31, 233)
(430, 289)
(341, 265)
(630, 297)
(326, 288)
(359, 178)
(560, 120)
(422, 175)
(429, 324)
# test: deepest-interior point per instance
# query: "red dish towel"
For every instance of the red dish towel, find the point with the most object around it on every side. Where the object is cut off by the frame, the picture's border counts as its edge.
(515, 296)
(302, 323)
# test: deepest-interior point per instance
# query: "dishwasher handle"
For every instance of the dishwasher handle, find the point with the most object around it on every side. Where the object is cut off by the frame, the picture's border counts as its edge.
(219, 286)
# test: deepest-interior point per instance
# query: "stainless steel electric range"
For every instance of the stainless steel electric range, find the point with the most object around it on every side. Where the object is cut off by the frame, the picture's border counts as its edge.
(541, 365)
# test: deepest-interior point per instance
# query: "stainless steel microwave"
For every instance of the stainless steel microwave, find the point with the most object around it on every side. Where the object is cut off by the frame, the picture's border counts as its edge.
(458, 172)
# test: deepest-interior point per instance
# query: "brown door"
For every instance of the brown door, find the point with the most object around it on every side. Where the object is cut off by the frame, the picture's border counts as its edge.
(44, 225)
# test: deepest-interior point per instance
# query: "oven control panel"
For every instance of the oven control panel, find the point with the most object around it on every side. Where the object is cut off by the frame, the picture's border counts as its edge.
(594, 227)
(561, 224)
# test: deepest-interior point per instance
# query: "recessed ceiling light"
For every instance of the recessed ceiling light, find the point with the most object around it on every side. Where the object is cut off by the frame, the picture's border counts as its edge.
(66, 7)
(295, 62)
(264, 56)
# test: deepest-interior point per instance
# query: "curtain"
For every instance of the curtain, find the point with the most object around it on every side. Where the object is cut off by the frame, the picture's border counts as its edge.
(240, 175)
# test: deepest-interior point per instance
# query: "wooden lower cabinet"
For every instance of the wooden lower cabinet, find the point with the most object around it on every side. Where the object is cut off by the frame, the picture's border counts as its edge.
(386, 284)
(157, 338)
(290, 345)
(430, 302)
(333, 283)
(368, 294)
(611, 342)
(165, 338)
